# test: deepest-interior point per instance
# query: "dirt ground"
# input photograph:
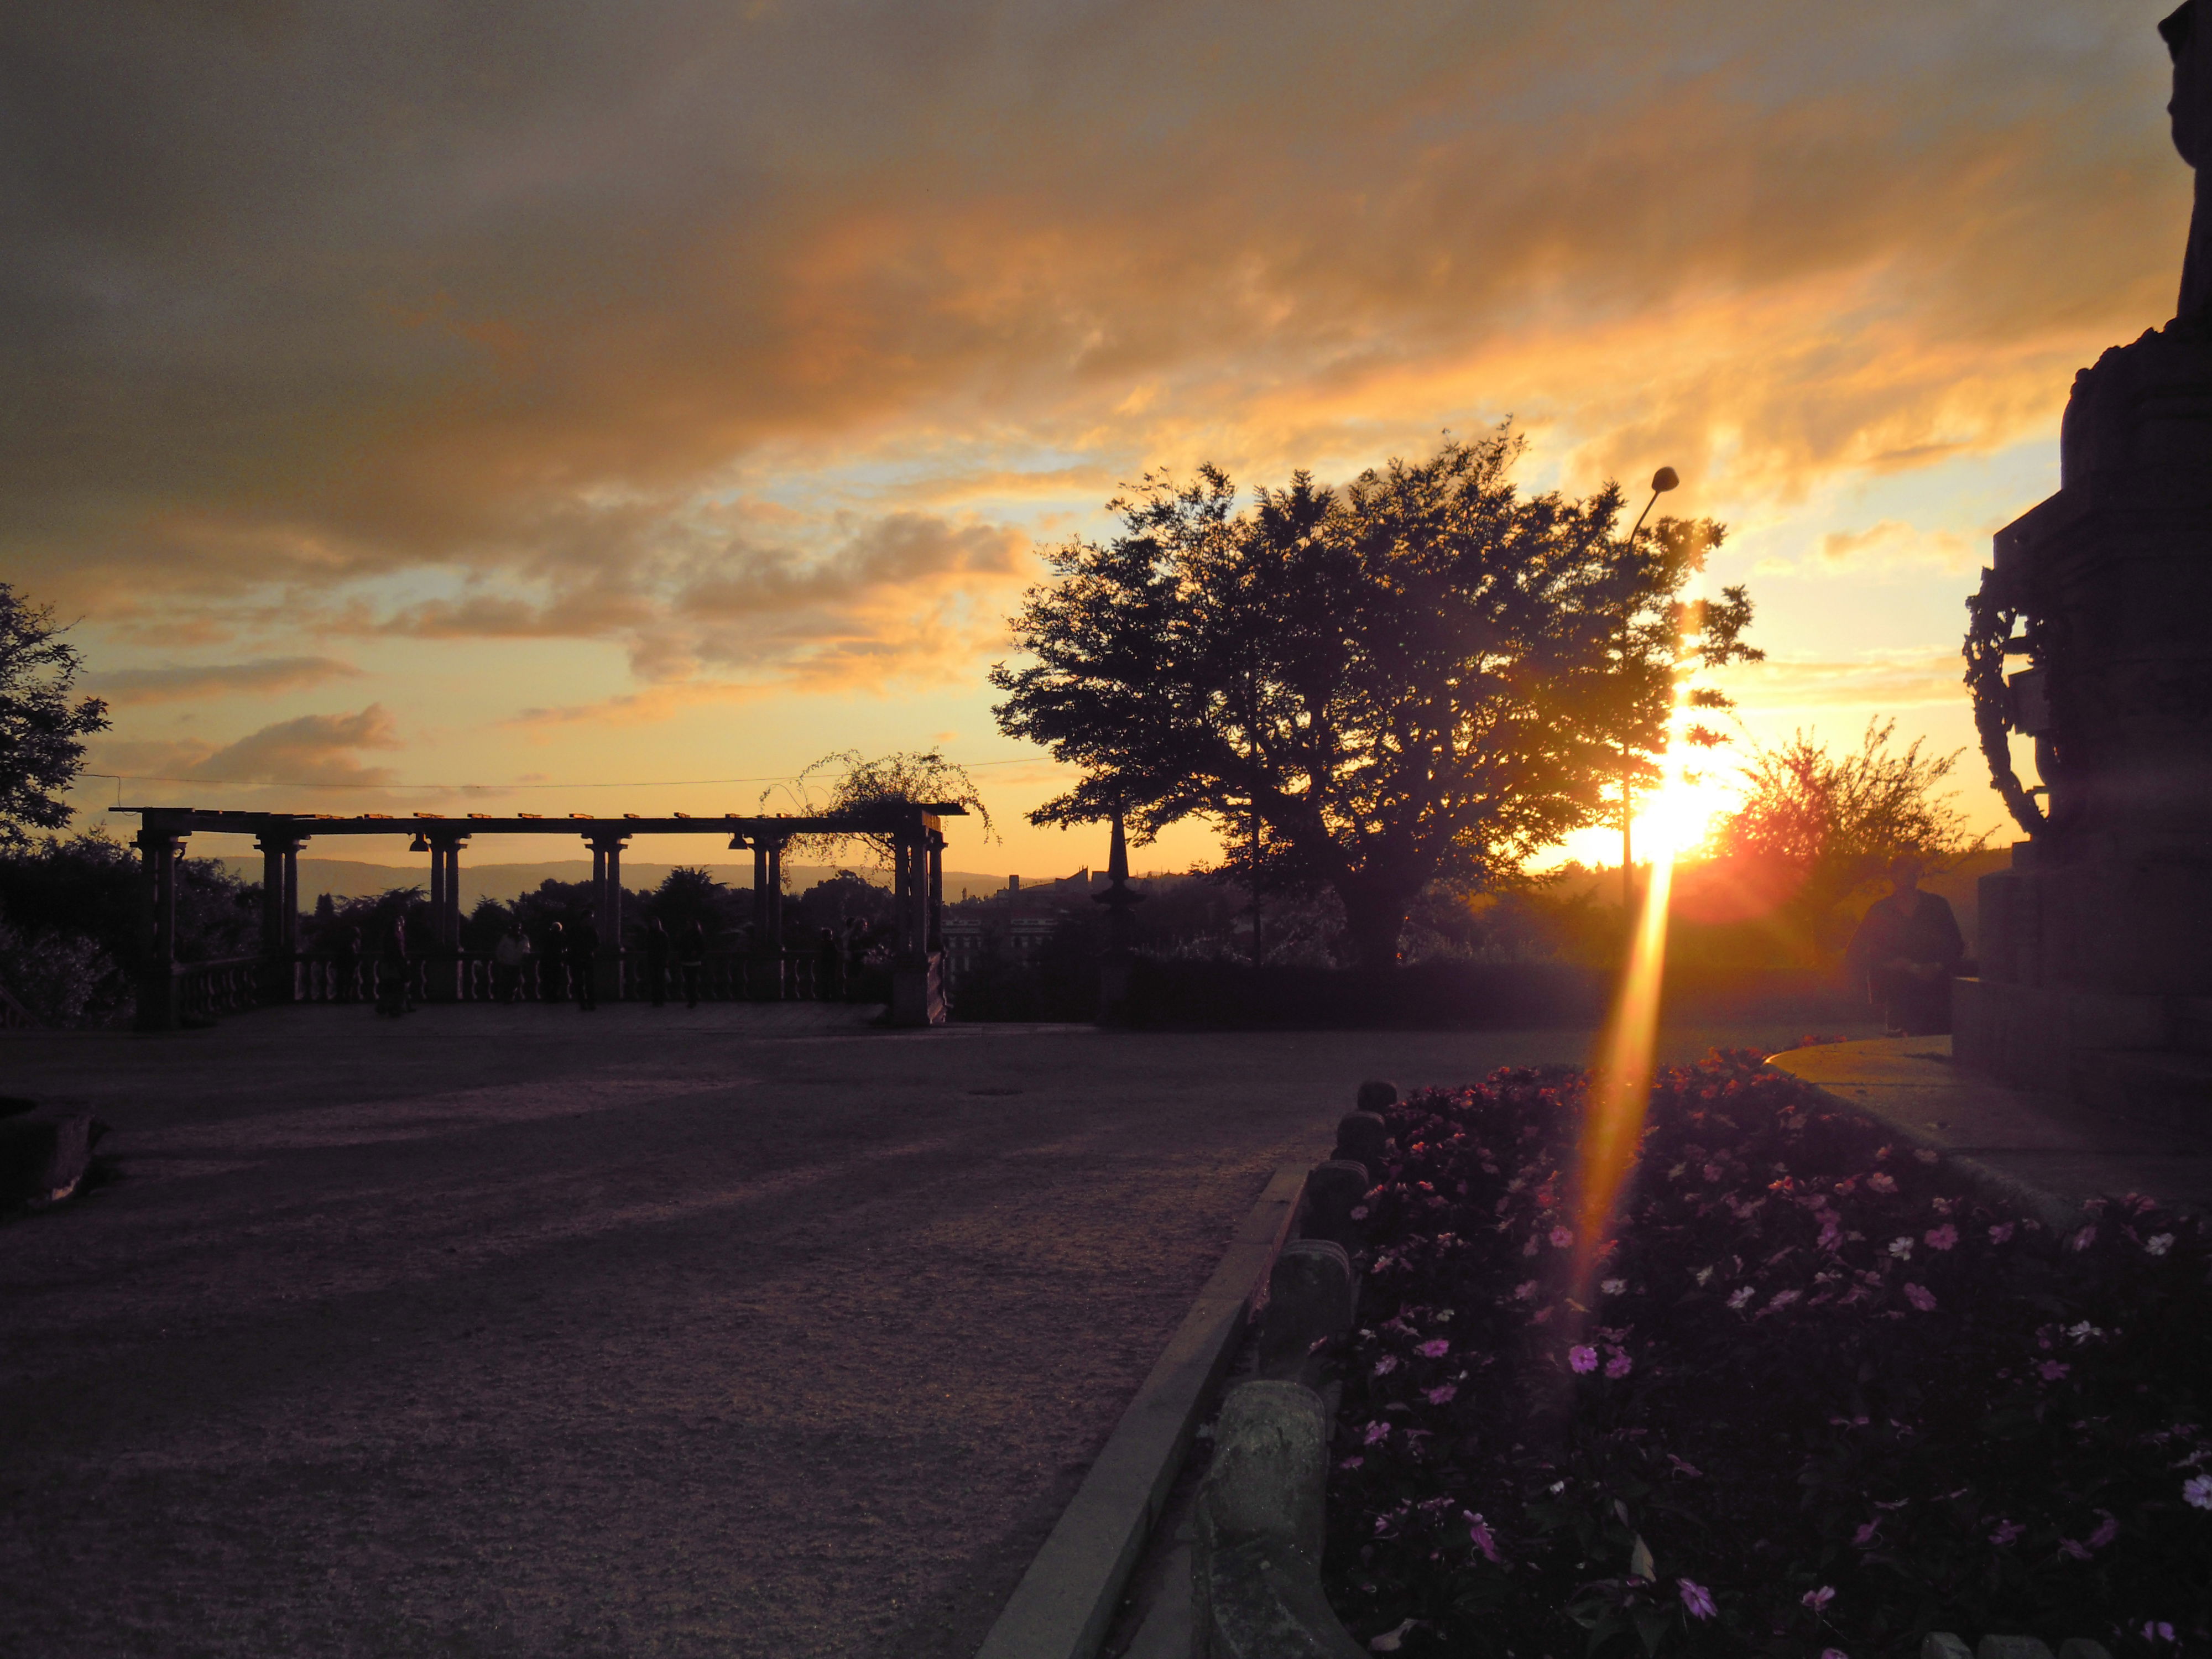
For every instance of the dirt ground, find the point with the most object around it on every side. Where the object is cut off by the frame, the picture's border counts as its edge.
(746, 1332)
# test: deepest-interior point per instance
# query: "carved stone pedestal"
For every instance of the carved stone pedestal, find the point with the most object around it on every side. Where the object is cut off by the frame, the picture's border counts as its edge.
(2096, 949)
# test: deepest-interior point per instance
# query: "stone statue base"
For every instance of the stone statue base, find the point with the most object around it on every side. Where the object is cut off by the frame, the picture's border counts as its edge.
(2096, 948)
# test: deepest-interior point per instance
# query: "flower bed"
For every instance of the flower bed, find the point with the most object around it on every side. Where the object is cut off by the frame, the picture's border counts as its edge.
(1826, 1399)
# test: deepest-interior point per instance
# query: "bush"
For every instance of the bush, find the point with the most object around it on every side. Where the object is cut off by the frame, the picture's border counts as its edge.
(63, 978)
(1827, 1398)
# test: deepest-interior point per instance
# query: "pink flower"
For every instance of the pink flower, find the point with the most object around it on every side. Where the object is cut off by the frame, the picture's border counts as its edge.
(2108, 1530)
(1378, 1430)
(1434, 1349)
(1924, 1155)
(1525, 1291)
(2196, 1492)
(1865, 1535)
(2006, 1532)
(1386, 1364)
(2052, 1370)
(1444, 1395)
(1818, 1599)
(1921, 1298)
(1882, 1183)
(1583, 1358)
(2067, 1547)
(1690, 1469)
(1781, 1299)
(1562, 1238)
(1712, 1172)
(1530, 1248)
(1360, 1212)
(1697, 1599)
(1478, 1530)
(1619, 1365)
(2085, 1238)
(2001, 1232)
(1833, 1653)
(1942, 1237)
(1351, 1462)
(2157, 1629)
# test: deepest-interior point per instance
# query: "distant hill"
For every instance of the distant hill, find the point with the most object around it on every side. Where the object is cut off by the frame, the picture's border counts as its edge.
(344, 878)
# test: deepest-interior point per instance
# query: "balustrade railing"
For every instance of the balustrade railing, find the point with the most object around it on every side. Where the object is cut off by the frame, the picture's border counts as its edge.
(207, 990)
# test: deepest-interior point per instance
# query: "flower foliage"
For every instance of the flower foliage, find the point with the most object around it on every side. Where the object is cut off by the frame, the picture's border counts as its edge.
(1826, 1398)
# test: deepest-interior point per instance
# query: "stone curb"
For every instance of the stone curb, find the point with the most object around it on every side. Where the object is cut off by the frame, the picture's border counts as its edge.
(1993, 1183)
(1065, 1602)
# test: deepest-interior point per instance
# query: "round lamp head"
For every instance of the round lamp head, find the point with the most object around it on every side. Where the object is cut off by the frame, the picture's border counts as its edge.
(418, 845)
(1664, 480)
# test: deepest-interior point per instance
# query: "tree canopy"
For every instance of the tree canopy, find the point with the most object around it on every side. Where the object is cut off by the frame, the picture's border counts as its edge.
(39, 726)
(1422, 676)
(1831, 824)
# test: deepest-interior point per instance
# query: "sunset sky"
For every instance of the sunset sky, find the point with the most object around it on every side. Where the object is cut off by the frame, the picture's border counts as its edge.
(619, 407)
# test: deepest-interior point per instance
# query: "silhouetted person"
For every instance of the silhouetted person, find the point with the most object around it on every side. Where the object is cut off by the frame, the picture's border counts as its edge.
(691, 952)
(395, 994)
(553, 984)
(656, 961)
(345, 965)
(507, 958)
(1908, 947)
(828, 966)
(584, 963)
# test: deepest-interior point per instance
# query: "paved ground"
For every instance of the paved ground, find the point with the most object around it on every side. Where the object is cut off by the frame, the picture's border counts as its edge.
(2046, 1142)
(519, 1332)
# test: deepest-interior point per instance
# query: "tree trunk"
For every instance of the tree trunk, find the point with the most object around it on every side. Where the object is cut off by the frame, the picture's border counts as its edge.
(1374, 917)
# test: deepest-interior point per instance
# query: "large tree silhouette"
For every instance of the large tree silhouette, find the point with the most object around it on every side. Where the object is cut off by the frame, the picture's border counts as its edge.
(39, 726)
(1424, 675)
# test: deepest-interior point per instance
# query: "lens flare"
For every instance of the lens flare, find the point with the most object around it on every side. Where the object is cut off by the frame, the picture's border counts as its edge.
(1620, 1084)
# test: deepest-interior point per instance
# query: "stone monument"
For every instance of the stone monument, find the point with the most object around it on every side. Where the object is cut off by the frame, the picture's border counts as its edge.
(2096, 948)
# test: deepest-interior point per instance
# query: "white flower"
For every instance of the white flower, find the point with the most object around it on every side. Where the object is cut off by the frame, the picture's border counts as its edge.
(1901, 1247)
(2159, 1243)
(1705, 1275)
(1614, 1287)
(1737, 1298)
(2083, 1332)
(2198, 1492)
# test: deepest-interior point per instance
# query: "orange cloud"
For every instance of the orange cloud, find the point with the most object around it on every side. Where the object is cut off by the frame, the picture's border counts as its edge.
(697, 335)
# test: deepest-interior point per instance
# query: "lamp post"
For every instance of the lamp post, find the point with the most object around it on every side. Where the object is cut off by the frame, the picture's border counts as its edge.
(1663, 480)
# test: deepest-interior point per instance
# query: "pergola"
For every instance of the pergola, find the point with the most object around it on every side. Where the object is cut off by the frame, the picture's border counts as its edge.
(912, 830)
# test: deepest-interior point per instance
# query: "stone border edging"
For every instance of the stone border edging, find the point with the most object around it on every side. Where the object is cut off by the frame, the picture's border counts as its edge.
(1993, 1183)
(1065, 1602)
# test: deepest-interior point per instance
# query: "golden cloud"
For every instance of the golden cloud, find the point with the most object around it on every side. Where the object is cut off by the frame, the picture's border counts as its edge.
(321, 325)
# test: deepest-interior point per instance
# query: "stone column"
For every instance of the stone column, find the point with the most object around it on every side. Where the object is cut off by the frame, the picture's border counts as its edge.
(607, 910)
(610, 923)
(280, 911)
(160, 847)
(936, 931)
(446, 914)
(772, 923)
(437, 895)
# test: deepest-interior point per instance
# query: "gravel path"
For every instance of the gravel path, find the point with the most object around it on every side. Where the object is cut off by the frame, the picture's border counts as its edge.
(517, 1332)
